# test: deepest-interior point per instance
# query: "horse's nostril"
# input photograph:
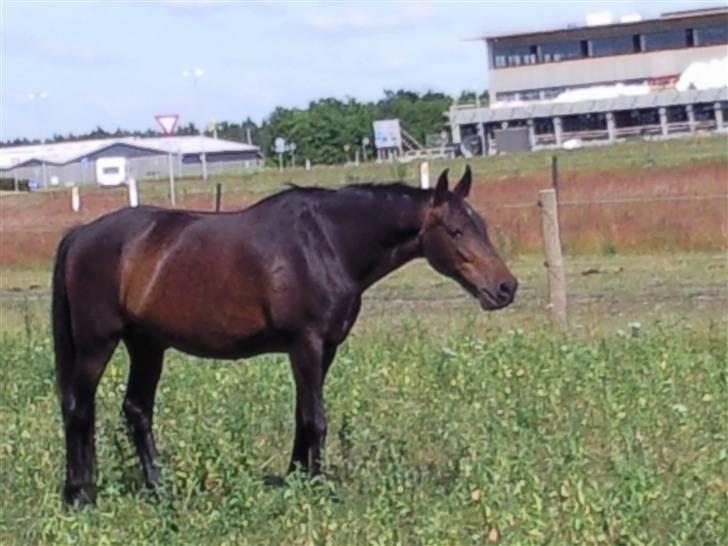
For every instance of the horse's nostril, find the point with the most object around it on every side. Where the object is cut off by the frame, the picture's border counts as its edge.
(507, 290)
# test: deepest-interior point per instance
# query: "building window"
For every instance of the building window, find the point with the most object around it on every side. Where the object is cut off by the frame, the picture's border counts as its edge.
(704, 111)
(612, 45)
(506, 97)
(468, 130)
(667, 39)
(490, 129)
(532, 94)
(689, 37)
(636, 118)
(584, 122)
(713, 35)
(553, 92)
(513, 56)
(676, 114)
(561, 51)
(585, 52)
(543, 126)
(637, 43)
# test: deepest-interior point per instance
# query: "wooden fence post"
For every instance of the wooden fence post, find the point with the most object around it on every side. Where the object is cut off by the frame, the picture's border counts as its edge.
(218, 197)
(554, 259)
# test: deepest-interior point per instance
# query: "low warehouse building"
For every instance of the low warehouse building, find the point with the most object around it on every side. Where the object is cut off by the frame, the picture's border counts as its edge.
(112, 160)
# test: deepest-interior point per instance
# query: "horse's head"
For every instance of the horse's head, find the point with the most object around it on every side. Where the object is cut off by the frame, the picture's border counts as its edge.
(455, 242)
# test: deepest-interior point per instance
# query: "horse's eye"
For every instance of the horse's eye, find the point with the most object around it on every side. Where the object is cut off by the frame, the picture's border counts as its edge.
(455, 232)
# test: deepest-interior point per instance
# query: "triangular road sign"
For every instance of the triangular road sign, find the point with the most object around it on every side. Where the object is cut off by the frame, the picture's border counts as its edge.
(168, 122)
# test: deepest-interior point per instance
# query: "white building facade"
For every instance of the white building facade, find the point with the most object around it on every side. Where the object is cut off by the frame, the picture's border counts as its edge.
(657, 77)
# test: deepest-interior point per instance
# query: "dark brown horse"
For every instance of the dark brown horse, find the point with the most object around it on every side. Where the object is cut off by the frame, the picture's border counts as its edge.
(285, 275)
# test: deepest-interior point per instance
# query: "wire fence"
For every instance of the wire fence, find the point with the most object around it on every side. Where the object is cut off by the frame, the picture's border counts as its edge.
(521, 205)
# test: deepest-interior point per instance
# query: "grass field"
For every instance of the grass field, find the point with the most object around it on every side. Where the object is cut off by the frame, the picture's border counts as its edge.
(446, 425)
(518, 438)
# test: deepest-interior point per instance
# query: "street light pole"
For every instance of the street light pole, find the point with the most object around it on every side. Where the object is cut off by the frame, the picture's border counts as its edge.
(481, 132)
(196, 74)
(35, 98)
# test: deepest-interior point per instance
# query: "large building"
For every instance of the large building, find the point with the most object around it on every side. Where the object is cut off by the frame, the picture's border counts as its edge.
(603, 81)
(109, 160)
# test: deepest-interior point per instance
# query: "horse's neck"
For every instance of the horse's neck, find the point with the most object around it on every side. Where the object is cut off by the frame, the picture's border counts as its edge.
(382, 234)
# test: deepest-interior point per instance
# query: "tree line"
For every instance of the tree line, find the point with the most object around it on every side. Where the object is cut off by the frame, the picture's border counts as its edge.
(323, 129)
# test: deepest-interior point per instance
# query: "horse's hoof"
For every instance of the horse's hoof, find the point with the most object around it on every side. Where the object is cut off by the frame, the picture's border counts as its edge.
(151, 478)
(271, 480)
(79, 495)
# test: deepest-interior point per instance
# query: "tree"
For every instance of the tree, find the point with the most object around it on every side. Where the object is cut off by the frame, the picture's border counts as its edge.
(324, 127)
(468, 97)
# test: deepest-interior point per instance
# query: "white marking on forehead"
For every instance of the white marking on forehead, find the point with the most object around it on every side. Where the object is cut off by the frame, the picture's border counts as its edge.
(469, 210)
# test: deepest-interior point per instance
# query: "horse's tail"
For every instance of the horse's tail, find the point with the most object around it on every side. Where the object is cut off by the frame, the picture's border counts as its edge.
(63, 345)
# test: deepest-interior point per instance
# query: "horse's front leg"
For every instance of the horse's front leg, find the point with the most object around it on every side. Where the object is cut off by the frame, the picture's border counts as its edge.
(310, 360)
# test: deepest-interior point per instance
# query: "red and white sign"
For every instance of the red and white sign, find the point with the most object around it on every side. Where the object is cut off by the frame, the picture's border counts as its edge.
(168, 122)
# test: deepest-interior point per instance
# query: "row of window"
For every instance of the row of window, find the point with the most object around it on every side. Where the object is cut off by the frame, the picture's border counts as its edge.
(546, 93)
(505, 56)
(598, 121)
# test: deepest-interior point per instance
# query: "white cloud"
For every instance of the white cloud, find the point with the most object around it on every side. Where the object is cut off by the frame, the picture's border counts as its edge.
(387, 17)
(58, 52)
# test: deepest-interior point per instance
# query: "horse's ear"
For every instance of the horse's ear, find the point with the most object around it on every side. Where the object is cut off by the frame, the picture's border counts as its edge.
(441, 191)
(462, 189)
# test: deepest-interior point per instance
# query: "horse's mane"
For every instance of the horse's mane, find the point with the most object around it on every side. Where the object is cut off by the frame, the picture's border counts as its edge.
(382, 190)
(375, 188)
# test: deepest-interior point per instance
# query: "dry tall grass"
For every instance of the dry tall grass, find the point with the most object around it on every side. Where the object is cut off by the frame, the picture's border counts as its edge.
(30, 225)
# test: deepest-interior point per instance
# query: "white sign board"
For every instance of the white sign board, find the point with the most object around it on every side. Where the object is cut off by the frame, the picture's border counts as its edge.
(110, 171)
(387, 134)
(279, 145)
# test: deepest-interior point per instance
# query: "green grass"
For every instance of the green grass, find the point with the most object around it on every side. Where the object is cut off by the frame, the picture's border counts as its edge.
(623, 288)
(447, 425)
(457, 439)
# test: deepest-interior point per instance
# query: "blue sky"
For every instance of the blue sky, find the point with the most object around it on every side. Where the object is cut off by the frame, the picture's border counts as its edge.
(117, 64)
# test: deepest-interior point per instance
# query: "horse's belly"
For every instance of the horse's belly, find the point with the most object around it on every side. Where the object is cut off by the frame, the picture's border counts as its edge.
(228, 348)
(226, 329)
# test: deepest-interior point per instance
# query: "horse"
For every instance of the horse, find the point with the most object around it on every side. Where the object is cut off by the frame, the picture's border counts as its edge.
(285, 275)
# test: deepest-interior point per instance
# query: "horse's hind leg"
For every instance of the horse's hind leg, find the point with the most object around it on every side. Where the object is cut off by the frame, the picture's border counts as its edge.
(146, 358)
(77, 405)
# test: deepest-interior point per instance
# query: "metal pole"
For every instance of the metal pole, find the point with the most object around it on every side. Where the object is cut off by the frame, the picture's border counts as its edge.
(218, 197)
(481, 133)
(172, 194)
(555, 175)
